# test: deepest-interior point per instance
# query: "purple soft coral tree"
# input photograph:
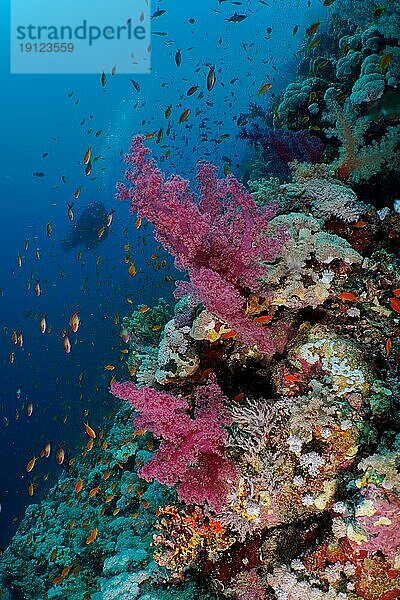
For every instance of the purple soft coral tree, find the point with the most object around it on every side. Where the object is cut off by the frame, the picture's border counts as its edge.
(219, 239)
(191, 453)
(282, 146)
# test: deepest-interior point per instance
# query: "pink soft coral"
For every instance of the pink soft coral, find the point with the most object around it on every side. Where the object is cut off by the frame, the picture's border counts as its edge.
(219, 238)
(191, 453)
(381, 524)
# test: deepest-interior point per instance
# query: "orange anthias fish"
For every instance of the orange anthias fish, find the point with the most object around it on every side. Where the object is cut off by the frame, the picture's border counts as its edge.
(30, 465)
(264, 88)
(132, 270)
(87, 156)
(184, 116)
(74, 322)
(313, 28)
(263, 319)
(60, 455)
(395, 304)
(93, 492)
(66, 342)
(92, 537)
(43, 324)
(229, 335)
(348, 296)
(91, 432)
(293, 378)
(45, 453)
(143, 309)
(78, 486)
(192, 90)
(388, 346)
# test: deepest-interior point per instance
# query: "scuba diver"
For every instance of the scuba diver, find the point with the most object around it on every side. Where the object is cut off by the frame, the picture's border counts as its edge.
(90, 228)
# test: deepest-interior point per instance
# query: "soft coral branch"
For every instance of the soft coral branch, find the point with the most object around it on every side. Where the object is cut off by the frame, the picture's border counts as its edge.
(191, 454)
(219, 238)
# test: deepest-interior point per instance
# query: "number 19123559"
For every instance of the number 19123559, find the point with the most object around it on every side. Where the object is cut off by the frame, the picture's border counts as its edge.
(47, 47)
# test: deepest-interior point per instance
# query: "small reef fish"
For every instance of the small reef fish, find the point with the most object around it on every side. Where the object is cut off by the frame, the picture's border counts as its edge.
(178, 58)
(66, 342)
(192, 90)
(264, 88)
(45, 453)
(143, 309)
(43, 324)
(229, 335)
(74, 322)
(71, 215)
(395, 304)
(211, 79)
(93, 492)
(87, 156)
(135, 85)
(236, 18)
(263, 319)
(132, 270)
(30, 465)
(60, 455)
(91, 432)
(293, 378)
(312, 29)
(109, 217)
(348, 297)
(92, 536)
(184, 116)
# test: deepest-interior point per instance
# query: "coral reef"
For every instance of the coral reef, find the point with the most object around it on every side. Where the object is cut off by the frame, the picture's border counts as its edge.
(350, 81)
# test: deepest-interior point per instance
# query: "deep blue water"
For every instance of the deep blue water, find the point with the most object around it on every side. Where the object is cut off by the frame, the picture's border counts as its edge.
(39, 117)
